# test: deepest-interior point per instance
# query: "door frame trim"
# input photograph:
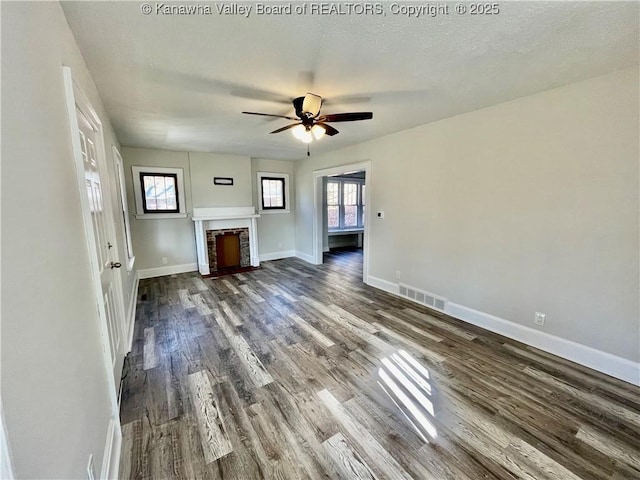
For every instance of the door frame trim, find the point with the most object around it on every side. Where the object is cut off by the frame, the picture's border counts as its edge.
(317, 176)
(6, 461)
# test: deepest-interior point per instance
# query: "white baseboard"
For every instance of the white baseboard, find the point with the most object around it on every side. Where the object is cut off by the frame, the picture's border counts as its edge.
(598, 360)
(604, 362)
(265, 257)
(111, 457)
(306, 257)
(388, 287)
(168, 270)
(131, 314)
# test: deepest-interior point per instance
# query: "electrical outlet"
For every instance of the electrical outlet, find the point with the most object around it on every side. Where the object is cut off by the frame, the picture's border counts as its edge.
(164, 260)
(398, 274)
(380, 214)
(539, 318)
(91, 472)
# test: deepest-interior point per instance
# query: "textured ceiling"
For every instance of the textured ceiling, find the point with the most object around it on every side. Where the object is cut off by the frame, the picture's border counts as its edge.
(179, 82)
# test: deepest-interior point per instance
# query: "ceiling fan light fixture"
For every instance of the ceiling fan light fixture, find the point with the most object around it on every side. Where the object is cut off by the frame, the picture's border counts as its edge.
(318, 131)
(302, 134)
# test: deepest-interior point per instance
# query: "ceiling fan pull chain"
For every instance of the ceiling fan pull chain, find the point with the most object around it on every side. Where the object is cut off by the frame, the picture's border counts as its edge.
(308, 154)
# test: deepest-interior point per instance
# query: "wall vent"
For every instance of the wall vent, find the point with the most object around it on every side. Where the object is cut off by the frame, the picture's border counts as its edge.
(423, 298)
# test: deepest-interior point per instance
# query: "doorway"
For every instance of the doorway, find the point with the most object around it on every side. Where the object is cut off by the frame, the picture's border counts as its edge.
(341, 216)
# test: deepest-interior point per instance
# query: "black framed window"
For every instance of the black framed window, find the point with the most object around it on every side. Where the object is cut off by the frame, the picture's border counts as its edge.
(159, 192)
(273, 193)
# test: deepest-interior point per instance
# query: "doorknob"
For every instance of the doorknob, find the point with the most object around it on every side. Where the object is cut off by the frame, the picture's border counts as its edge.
(115, 265)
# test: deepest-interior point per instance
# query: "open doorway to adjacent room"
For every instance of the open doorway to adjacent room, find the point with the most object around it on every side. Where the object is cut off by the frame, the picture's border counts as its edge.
(341, 216)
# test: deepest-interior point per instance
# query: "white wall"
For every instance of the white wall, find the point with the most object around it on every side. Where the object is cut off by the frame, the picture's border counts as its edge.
(155, 239)
(276, 231)
(526, 206)
(205, 166)
(174, 239)
(54, 388)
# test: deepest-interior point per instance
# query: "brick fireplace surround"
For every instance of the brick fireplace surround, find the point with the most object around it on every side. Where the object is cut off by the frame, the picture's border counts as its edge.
(245, 254)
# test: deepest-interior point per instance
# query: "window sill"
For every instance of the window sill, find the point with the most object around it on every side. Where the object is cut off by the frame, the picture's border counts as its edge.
(345, 231)
(159, 216)
(269, 212)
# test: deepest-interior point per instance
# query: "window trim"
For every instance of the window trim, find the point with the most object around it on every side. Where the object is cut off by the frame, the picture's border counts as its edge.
(139, 192)
(260, 200)
(124, 207)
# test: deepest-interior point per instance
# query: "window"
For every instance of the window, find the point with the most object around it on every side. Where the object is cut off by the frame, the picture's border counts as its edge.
(350, 202)
(273, 192)
(159, 192)
(333, 205)
(345, 204)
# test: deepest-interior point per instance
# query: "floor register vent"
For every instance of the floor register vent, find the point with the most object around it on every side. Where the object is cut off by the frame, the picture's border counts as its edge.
(422, 297)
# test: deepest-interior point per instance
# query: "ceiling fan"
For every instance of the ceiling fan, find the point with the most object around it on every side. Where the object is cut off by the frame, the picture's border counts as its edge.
(310, 124)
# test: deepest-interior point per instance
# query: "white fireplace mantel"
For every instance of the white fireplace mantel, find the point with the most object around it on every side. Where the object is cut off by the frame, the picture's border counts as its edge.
(222, 218)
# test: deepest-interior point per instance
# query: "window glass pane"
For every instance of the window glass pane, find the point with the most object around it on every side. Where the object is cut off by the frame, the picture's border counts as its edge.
(332, 216)
(160, 193)
(266, 193)
(332, 193)
(278, 193)
(350, 215)
(350, 193)
(363, 215)
(272, 192)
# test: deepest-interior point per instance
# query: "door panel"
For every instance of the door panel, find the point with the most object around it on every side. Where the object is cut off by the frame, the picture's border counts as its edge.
(94, 190)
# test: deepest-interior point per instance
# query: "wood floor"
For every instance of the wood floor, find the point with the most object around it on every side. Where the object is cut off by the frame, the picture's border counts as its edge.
(295, 371)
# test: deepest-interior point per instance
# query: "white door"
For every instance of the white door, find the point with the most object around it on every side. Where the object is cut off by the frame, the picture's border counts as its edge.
(97, 215)
(104, 245)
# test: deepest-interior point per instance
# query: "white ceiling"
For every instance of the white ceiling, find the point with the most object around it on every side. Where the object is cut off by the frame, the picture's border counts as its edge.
(180, 82)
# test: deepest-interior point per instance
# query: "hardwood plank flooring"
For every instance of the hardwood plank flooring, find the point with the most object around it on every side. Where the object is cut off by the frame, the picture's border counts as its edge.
(295, 371)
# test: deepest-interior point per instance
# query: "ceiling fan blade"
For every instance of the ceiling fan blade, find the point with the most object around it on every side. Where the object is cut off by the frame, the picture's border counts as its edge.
(287, 127)
(328, 129)
(346, 117)
(311, 104)
(270, 115)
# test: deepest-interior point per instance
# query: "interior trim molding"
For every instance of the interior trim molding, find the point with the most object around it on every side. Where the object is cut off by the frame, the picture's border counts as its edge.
(168, 270)
(389, 287)
(603, 362)
(306, 257)
(6, 462)
(111, 457)
(131, 313)
(264, 257)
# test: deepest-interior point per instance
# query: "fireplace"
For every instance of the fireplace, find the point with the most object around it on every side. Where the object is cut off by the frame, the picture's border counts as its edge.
(228, 249)
(221, 230)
